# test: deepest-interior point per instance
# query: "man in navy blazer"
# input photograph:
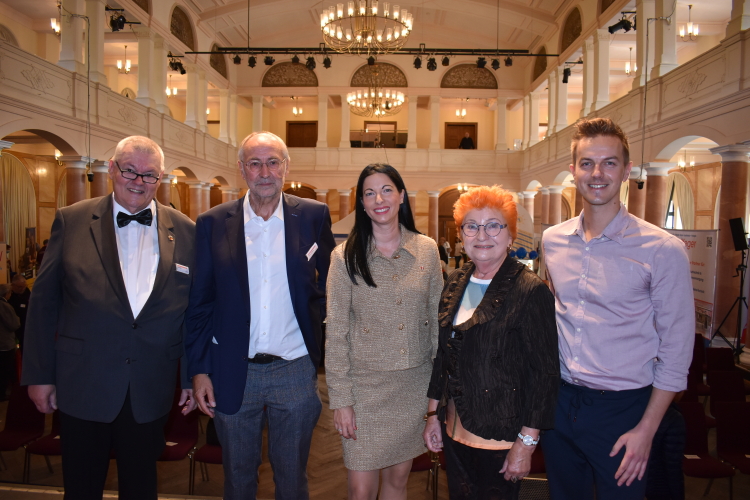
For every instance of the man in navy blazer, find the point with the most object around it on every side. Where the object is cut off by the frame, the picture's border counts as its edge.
(255, 321)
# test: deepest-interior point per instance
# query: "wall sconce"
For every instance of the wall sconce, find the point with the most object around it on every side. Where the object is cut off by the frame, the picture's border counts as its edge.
(55, 25)
(174, 181)
(462, 188)
(628, 64)
(295, 185)
(461, 111)
(58, 154)
(208, 111)
(683, 163)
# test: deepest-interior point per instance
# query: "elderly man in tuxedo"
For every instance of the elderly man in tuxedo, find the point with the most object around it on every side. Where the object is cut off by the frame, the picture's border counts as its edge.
(254, 321)
(104, 333)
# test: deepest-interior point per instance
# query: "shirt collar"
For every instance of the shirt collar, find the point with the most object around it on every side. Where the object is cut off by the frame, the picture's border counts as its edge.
(116, 207)
(408, 243)
(250, 213)
(614, 231)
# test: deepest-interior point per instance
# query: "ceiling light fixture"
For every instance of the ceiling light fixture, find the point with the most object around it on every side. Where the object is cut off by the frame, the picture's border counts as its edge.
(367, 28)
(495, 64)
(269, 60)
(310, 64)
(431, 64)
(628, 65)
(481, 62)
(237, 59)
(417, 62)
(623, 24)
(689, 32)
(446, 61)
(508, 61)
(375, 101)
(296, 109)
(251, 61)
(124, 67)
(171, 90)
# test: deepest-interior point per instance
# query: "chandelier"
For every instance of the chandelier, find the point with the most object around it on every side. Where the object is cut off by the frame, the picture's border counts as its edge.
(689, 32)
(124, 68)
(364, 28)
(375, 101)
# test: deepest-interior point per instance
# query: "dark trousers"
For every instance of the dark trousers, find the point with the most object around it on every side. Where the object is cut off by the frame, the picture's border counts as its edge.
(86, 450)
(474, 473)
(588, 423)
(458, 261)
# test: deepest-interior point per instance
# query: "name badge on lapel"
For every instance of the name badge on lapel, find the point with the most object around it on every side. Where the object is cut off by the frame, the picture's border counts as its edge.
(312, 251)
(182, 269)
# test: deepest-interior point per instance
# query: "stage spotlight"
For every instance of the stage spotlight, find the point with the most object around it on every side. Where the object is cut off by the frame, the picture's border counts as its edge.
(237, 59)
(508, 61)
(310, 63)
(566, 75)
(327, 62)
(446, 61)
(417, 62)
(495, 64)
(371, 61)
(481, 62)
(117, 23)
(269, 60)
(431, 64)
(251, 61)
(181, 67)
(622, 24)
(295, 59)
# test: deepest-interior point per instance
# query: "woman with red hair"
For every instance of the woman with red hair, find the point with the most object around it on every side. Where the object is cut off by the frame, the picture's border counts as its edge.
(495, 378)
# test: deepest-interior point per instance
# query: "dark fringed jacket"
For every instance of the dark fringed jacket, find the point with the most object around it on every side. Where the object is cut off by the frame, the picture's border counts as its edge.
(501, 367)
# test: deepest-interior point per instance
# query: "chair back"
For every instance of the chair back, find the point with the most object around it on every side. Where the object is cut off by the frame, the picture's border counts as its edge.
(719, 358)
(726, 386)
(696, 434)
(181, 427)
(732, 433)
(22, 415)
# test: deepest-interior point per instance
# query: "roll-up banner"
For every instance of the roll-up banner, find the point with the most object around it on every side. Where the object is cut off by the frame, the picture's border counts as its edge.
(701, 249)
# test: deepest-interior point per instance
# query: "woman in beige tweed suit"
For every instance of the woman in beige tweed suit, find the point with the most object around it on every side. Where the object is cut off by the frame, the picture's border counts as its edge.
(384, 285)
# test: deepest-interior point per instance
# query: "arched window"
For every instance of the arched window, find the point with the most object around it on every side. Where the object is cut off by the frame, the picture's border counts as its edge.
(218, 61)
(540, 65)
(571, 29)
(181, 27)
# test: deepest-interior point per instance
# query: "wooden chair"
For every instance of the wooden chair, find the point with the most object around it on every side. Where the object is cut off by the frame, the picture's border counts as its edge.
(696, 445)
(726, 387)
(209, 453)
(180, 433)
(430, 462)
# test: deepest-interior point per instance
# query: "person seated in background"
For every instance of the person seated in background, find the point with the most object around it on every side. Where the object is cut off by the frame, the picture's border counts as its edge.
(9, 323)
(19, 299)
(496, 374)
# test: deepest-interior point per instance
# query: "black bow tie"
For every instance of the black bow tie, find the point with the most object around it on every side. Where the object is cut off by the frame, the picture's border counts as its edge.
(143, 217)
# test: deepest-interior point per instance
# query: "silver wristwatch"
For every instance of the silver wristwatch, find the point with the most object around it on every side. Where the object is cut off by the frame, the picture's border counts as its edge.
(528, 440)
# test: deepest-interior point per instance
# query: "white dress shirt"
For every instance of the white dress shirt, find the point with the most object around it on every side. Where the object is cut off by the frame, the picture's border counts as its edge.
(138, 248)
(273, 325)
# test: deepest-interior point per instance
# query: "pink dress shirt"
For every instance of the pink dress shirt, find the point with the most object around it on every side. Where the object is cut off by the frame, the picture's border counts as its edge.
(624, 304)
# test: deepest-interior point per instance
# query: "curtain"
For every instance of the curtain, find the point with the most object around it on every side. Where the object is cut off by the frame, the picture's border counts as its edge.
(19, 205)
(624, 187)
(682, 198)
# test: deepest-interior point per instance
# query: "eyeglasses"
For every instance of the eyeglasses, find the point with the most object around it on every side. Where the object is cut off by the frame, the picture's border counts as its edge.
(273, 164)
(131, 176)
(491, 228)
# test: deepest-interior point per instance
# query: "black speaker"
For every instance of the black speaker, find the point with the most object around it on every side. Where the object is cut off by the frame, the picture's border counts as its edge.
(738, 234)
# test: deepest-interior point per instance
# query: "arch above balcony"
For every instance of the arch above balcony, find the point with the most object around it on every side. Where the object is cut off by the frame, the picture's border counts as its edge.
(388, 75)
(468, 76)
(289, 74)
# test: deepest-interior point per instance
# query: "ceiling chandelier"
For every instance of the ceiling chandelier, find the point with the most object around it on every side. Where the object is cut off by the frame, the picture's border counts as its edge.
(374, 100)
(363, 28)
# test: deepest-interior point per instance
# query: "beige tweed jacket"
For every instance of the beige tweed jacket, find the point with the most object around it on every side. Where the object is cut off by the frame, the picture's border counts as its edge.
(392, 326)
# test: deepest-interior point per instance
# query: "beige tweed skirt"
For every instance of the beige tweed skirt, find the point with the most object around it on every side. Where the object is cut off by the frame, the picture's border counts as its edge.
(389, 412)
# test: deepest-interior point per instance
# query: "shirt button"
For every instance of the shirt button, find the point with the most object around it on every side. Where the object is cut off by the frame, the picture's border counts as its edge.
(583, 276)
(578, 329)
(365, 330)
(395, 277)
(583, 302)
(264, 333)
(575, 359)
(426, 323)
(127, 361)
(401, 326)
(134, 325)
(398, 302)
(587, 249)
(265, 307)
(403, 351)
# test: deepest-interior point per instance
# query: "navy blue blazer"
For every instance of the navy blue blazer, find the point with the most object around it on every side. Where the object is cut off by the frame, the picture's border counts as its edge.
(219, 306)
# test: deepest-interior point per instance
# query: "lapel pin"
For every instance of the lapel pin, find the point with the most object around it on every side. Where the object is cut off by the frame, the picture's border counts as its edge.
(171, 238)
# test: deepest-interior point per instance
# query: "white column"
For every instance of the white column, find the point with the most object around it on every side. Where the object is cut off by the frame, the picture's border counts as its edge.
(71, 41)
(528, 202)
(322, 121)
(233, 119)
(526, 121)
(552, 83)
(561, 101)
(740, 18)
(322, 194)
(501, 141)
(555, 204)
(202, 102)
(257, 113)
(97, 21)
(411, 132)
(433, 218)
(206, 196)
(145, 79)
(224, 115)
(434, 122)
(645, 9)
(588, 77)
(533, 118)
(191, 98)
(665, 40)
(344, 202)
(346, 115)
(601, 69)
(159, 75)
(545, 205)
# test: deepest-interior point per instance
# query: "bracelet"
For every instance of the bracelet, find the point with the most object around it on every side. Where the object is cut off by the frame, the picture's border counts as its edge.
(429, 414)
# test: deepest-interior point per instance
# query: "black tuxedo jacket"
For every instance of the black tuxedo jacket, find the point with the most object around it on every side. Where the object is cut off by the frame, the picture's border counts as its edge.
(220, 298)
(81, 335)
